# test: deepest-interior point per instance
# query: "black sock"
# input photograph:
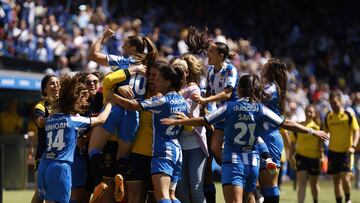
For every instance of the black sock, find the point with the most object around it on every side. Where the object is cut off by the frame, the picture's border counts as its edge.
(339, 199)
(347, 197)
(272, 199)
(95, 162)
(315, 201)
(210, 193)
(122, 166)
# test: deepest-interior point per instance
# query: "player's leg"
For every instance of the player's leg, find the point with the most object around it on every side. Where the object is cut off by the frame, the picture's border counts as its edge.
(161, 184)
(216, 143)
(233, 193)
(269, 180)
(315, 187)
(301, 177)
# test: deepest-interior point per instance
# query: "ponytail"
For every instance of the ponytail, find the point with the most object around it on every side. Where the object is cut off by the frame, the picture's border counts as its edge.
(152, 52)
(277, 73)
(197, 40)
(140, 43)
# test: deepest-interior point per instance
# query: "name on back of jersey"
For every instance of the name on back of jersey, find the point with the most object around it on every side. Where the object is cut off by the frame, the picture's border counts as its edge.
(56, 126)
(246, 117)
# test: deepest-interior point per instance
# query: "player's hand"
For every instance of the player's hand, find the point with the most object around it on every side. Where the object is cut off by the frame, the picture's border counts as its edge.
(126, 92)
(141, 69)
(270, 166)
(108, 33)
(351, 150)
(321, 134)
(198, 98)
(168, 121)
(180, 115)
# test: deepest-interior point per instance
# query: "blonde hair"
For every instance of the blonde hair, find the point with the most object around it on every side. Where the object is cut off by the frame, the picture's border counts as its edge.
(195, 68)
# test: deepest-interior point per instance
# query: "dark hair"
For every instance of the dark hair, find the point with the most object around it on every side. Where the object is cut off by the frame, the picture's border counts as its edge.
(44, 82)
(140, 43)
(71, 90)
(197, 40)
(250, 86)
(277, 73)
(222, 48)
(173, 74)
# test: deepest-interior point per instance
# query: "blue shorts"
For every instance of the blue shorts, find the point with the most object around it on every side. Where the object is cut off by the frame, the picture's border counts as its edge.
(122, 122)
(169, 167)
(79, 171)
(241, 175)
(275, 144)
(54, 181)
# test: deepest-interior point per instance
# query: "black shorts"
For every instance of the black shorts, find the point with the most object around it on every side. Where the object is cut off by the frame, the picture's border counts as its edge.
(140, 169)
(303, 163)
(339, 162)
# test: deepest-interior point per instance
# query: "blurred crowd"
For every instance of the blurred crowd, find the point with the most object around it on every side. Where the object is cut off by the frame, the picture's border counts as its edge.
(319, 42)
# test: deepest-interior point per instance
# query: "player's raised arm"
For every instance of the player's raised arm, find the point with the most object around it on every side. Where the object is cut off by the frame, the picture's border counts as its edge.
(95, 54)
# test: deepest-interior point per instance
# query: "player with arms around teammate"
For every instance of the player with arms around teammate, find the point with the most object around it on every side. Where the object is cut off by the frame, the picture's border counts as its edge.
(344, 136)
(274, 79)
(62, 127)
(166, 156)
(244, 121)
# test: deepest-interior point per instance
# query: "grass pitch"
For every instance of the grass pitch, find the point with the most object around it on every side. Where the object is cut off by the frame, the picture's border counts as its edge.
(288, 195)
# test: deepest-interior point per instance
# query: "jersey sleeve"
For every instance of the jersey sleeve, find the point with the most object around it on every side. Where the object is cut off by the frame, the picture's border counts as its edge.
(39, 110)
(115, 61)
(115, 77)
(112, 79)
(217, 116)
(154, 104)
(80, 122)
(271, 117)
(232, 77)
(354, 123)
(270, 88)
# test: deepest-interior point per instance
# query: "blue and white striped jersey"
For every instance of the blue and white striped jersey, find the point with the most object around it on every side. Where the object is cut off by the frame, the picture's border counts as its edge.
(137, 81)
(61, 135)
(216, 82)
(273, 102)
(165, 137)
(243, 124)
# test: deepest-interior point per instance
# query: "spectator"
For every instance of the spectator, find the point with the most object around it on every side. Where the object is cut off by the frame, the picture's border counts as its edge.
(10, 121)
(63, 68)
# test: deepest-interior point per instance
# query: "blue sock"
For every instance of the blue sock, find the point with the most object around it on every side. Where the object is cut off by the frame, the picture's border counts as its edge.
(165, 201)
(271, 194)
(270, 191)
(175, 201)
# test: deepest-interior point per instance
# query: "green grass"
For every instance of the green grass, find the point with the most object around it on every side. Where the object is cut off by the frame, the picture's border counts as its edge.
(287, 194)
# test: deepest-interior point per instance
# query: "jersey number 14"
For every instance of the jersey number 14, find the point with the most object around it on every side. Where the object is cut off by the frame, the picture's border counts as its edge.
(58, 141)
